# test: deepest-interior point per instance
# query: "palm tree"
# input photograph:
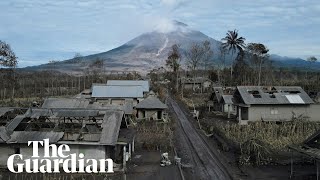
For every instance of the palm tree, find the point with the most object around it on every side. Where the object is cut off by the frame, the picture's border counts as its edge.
(311, 60)
(233, 43)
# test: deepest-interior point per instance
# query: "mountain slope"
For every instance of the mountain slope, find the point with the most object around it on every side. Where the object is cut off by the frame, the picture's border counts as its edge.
(150, 50)
(145, 52)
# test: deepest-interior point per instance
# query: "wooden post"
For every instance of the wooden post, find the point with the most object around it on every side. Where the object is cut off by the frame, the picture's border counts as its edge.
(124, 157)
(239, 114)
(291, 164)
(130, 151)
(133, 144)
(228, 111)
(317, 169)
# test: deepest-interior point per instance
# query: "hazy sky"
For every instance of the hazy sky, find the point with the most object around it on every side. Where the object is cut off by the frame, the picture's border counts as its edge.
(43, 30)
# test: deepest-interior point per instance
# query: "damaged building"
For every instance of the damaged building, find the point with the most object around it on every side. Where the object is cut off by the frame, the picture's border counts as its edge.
(151, 108)
(221, 100)
(97, 133)
(278, 103)
(201, 84)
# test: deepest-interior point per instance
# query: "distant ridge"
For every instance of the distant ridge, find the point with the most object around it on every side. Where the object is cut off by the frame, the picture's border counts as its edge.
(150, 50)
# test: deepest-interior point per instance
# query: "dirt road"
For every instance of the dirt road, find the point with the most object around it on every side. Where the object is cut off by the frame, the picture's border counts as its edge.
(206, 161)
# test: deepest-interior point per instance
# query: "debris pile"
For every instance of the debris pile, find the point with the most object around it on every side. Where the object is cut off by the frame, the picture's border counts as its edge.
(165, 160)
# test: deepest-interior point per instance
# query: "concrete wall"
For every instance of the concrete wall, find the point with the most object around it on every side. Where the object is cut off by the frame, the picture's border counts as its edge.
(233, 109)
(119, 101)
(149, 113)
(281, 112)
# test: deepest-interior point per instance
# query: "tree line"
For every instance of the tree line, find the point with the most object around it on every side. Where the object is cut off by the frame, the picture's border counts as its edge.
(251, 64)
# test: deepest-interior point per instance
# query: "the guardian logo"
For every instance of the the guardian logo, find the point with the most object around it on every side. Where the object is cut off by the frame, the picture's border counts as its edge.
(55, 157)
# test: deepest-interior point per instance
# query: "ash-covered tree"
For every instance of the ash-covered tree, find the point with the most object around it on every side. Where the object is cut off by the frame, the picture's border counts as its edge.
(96, 69)
(7, 56)
(241, 69)
(8, 60)
(77, 58)
(311, 60)
(199, 55)
(207, 54)
(173, 62)
(259, 56)
(221, 64)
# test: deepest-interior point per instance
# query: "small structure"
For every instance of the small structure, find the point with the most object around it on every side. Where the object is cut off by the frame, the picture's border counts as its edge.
(151, 108)
(309, 148)
(227, 105)
(85, 94)
(278, 103)
(216, 98)
(221, 100)
(196, 84)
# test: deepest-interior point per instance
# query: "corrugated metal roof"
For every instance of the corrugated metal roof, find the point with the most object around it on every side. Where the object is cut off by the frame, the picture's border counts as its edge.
(128, 106)
(4, 135)
(25, 136)
(85, 137)
(218, 92)
(227, 99)
(11, 126)
(151, 102)
(38, 112)
(75, 113)
(4, 110)
(275, 95)
(102, 106)
(101, 91)
(65, 103)
(144, 84)
(111, 126)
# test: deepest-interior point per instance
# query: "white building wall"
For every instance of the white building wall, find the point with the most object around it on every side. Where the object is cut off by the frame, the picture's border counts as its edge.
(283, 112)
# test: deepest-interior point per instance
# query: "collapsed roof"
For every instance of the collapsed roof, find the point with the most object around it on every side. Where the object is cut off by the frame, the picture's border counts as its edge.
(103, 127)
(64, 103)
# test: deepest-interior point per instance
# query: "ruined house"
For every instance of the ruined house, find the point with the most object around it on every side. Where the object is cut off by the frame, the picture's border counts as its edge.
(278, 103)
(97, 133)
(221, 100)
(310, 148)
(151, 108)
(200, 84)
